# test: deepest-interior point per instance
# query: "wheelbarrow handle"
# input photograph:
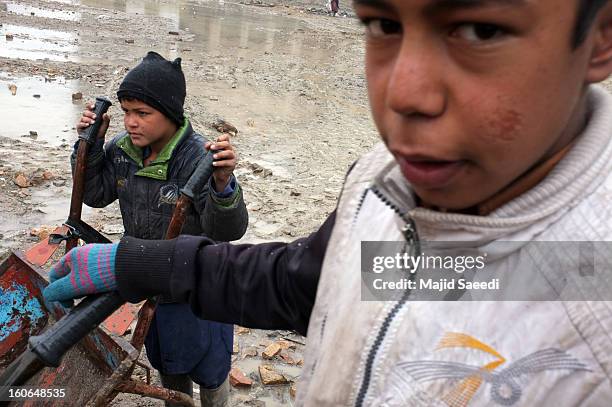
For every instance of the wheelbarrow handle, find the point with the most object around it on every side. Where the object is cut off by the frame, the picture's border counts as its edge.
(82, 319)
(90, 134)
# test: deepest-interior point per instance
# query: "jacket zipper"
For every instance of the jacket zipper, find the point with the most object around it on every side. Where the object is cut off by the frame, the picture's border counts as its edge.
(411, 237)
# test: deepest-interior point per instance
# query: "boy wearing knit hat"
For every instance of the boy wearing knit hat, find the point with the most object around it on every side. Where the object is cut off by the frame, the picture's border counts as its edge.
(144, 168)
(495, 140)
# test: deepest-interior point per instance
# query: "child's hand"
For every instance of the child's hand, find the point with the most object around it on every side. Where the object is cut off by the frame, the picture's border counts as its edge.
(89, 117)
(84, 270)
(225, 160)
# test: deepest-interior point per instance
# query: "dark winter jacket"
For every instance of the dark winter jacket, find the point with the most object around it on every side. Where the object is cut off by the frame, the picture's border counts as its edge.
(147, 194)
(267, 286)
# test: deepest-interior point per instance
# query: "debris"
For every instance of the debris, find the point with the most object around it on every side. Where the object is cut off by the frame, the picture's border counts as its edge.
(213, 98)
(295, 193)
(272, 350)
(129, 41)
(259, 170)
(242, 330)
(22, 181)
(42, 232)
(33, 133)
(77, 96)
(59, 183)
(293, 390)
(269, 376)
(235, 348)
(9, 37)
(286, 358)
(13, 88)
(37, 96)
(115, 229)
(223, 126)
(238, 379)
(47, 175)
(173, 32)
(251, 352)
(251, 123)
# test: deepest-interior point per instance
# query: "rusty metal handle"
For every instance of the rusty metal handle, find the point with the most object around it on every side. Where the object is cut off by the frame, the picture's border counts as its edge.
(195, 183)
(82, 319)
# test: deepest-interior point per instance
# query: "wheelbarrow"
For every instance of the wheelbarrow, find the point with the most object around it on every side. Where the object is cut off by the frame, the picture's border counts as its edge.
(37, 338)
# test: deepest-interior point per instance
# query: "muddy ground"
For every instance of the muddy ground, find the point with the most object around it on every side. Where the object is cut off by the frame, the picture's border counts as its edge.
(287, 76)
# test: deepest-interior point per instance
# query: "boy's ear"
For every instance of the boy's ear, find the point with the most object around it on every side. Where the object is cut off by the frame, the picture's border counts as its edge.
(600, 62)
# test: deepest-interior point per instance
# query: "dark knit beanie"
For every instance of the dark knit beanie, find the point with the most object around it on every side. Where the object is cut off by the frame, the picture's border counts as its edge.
(159, 83)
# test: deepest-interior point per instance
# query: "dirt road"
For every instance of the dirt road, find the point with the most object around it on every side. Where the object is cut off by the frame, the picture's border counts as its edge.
(287, 76)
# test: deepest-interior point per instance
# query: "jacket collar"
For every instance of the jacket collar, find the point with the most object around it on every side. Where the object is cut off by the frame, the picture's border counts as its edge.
(158, 169)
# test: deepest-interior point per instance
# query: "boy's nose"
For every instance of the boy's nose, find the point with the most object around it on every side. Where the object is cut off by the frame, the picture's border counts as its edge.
(130, 121)
(416, 85)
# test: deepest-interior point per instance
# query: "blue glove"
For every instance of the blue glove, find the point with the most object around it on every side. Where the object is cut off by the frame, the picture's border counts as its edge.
(84, 270)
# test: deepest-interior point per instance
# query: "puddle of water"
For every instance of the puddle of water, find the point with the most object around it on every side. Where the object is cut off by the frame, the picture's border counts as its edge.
(218, 27)
(34, 43)
(52, 115)
(42, 12)
(53, 208)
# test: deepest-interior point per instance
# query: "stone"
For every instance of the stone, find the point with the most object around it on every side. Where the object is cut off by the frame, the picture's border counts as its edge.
(223, 126)
(293, 390)
(270, 377)
(286, 358)
(22, 181)
(77, 96)
(251, 352)
(271, 350)
(129, 41)
(240, 330)
(286, 345)
(112, 229)
(9, 37)
(173, 32)
(238, 379)
(13, 88)
(42, 232)
(47, 175)
(235, 348)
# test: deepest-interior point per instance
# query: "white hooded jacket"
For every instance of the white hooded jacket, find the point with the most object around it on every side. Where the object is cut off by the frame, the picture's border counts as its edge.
(495, 353)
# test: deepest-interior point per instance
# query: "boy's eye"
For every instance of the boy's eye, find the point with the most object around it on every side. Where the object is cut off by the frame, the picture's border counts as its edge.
(380, 27)
(478, 32)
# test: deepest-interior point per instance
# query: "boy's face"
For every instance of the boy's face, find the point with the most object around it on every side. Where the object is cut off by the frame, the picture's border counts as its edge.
(470, 94)
(146, 125)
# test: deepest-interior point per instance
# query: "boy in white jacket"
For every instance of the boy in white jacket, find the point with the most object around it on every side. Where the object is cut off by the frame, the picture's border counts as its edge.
(492, 132)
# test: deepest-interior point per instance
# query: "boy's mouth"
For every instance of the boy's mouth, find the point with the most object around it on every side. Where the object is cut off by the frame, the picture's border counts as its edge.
(427, 172)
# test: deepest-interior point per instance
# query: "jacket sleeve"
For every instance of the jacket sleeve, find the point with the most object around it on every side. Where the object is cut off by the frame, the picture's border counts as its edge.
(266, 286)
(222, 219)
(100, 184)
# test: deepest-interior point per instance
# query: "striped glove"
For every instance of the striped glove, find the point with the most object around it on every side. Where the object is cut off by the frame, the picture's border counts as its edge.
(84, 270)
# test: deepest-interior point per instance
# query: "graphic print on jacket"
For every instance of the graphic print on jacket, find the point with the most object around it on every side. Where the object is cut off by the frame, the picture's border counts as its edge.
(504, 379)
(168, 194)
